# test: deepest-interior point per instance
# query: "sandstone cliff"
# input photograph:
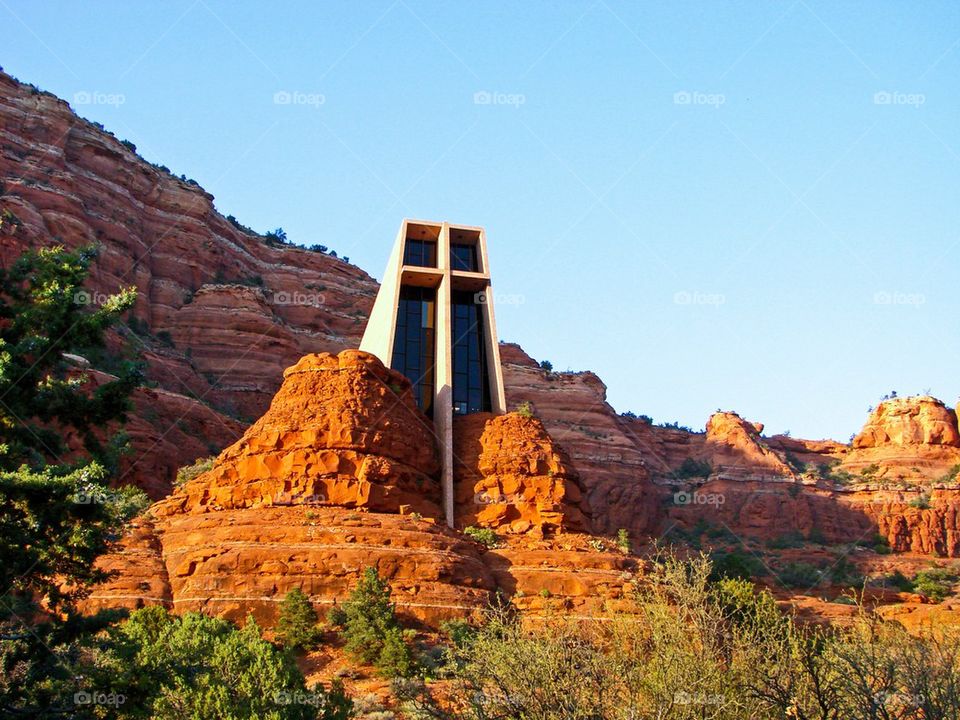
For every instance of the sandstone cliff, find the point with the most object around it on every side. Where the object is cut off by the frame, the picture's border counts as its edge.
(219, 314)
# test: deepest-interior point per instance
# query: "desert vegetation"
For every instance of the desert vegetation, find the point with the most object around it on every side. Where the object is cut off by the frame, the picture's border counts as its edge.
(695, 648)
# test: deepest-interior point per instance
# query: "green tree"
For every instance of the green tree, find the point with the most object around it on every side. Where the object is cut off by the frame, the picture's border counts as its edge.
(55, 518)
(170, 668)
(44, 313)
(297, 626)
(372, 632)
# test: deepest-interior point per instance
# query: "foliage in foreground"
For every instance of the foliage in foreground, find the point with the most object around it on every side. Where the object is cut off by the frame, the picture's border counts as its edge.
(46, 312)
(698, 649)
(169, 668)
(55, 516)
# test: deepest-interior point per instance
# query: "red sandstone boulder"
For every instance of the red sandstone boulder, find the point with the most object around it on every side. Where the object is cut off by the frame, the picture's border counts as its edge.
(343, 430)
(510, 474)
(921, 420)
(733, 446)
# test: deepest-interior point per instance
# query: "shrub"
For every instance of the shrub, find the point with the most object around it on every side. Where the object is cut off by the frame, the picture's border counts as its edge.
(691, 468)
(275, 237)
(898, 580)
(921, 502)
(484, 536)
(297, 626)
(623, 540)
(791, 539)
(525, 409)
(935, 583)
(170, 668)
(816, 536)
(800, 575)
(703, 650)
(951, 475)
(546, 365)
(735, 566)
(189, 472)
(372, 632)
(870, 471)
(336, 617)
(794, 462)
(844, 572)
(458, 632)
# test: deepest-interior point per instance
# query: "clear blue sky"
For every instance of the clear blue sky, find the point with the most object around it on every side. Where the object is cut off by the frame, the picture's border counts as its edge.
(706, 203)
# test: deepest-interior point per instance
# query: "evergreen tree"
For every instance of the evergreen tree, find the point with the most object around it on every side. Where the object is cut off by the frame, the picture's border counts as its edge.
(44, 313)
(195, 666)
(297, 627)
(371, 628)
(55, 518)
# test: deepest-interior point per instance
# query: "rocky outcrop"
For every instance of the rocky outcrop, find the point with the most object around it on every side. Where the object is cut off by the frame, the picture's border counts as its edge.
(510, 475)
(236, 310)
(608, 456)
(733, 446)
(338, 475)
(900, 422)
(343, 430)
(917, 523)
(341, 473)
(236, 562)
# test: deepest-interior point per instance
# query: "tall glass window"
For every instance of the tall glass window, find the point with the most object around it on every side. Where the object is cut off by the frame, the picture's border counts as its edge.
(471, 385)
(422, 253)
(414, 342)
(463, 257)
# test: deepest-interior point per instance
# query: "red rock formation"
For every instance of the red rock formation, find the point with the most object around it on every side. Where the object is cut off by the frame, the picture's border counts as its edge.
(341, 474)
(343, 430)
(921, 420)
(509, 474)
(734, 448)
(275, 511)
(603, 449)
(237, 310)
